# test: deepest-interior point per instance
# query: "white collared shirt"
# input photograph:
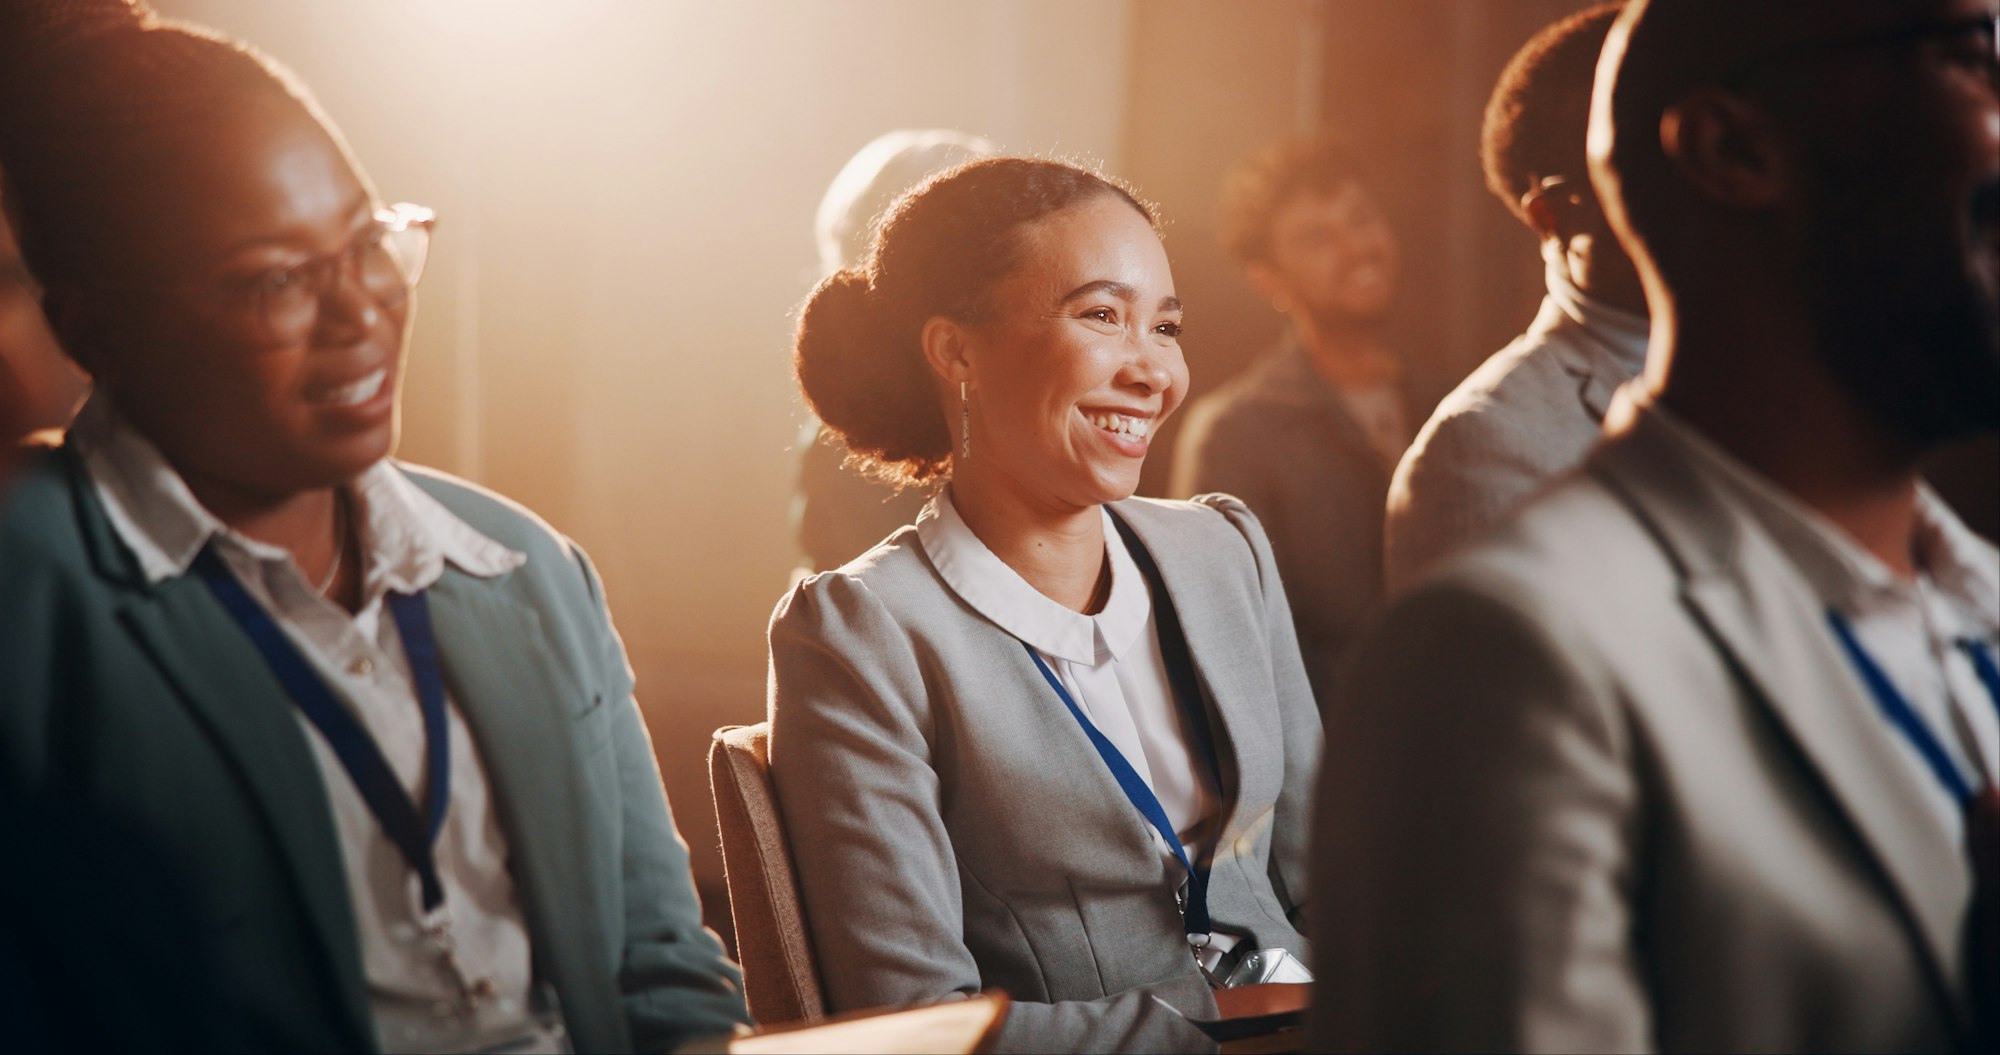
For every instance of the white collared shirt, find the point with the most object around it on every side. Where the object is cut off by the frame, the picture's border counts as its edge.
(1110, 663)
(407, 538)
(1913, 630)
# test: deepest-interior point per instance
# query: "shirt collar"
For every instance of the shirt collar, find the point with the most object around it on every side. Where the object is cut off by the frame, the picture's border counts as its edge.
(408, 535)
(998, 592)
(1963, 568)
(1620, 337)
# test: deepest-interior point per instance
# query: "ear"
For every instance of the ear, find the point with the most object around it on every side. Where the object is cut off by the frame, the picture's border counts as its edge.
(948, 349)
(1545, 219)
(1270, 285)
(1728, 148)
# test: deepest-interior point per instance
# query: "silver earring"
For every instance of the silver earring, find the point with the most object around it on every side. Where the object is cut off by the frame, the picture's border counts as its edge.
(964, 423)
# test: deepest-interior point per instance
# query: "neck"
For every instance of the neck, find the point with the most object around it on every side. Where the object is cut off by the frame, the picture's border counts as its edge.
(305, 523)
(1348, 353)
(1059, 551)
(1760, 394)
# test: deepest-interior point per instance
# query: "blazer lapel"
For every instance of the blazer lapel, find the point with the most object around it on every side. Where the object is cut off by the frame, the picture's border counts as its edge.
(500, 668)
(1767, 625)
(223, 679)
(1239, 709)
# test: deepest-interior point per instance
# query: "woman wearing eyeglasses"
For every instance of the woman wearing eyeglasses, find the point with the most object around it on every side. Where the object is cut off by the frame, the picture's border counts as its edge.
(379, 715)
(1052, 739)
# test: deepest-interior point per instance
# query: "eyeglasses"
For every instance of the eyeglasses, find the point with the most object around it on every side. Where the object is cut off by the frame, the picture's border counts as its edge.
(1571, 190)
(386, 258)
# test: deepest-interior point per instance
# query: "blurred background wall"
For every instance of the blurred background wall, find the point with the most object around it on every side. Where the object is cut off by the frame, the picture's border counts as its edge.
(627, 190)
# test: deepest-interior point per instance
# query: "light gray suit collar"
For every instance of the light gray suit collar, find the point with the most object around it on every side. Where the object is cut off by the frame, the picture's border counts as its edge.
(1221, 663)
(1744, 592)
(1605, 346)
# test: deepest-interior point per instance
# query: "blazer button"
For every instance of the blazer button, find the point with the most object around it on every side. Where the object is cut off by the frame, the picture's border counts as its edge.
(361, 667)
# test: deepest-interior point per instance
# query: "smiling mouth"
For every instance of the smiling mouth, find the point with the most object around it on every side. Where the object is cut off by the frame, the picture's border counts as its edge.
(354, 394)
(1122, 424)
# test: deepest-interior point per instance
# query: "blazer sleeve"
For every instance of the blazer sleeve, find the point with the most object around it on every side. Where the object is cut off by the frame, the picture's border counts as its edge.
(851, 764)
(1474, 868)
(674, 980)
(1463, 475)
(1301, 739)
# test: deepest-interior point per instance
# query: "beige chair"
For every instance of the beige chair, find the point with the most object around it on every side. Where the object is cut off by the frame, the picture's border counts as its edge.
(778, 972)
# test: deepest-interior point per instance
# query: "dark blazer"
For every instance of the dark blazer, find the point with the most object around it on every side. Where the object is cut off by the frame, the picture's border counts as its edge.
(151, 704)
(954, 828)
(1278, 437)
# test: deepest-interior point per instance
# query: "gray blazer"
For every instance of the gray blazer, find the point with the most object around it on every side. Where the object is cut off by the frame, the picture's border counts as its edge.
(1607, 783)
(954, 829)
(1528, 415)
(150, 704)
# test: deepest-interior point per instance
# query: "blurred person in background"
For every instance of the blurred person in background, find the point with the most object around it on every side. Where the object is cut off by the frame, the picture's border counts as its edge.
(839, 512)
(377, 717)
(1698, 751)
(1052, 738)
(1308, 435)
(47, 385)
(1533, 410)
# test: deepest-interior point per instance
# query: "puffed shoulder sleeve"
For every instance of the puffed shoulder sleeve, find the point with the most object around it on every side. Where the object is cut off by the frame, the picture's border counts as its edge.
(851, 766)
(1300, 717)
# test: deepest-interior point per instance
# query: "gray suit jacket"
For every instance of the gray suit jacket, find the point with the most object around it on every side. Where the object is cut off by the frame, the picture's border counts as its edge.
(1279, 437)
(1528, 415)
(954, 829)
(151, 704)
(1607, 783)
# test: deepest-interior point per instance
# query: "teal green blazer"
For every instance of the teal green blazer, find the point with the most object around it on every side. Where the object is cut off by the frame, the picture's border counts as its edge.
(149, 702)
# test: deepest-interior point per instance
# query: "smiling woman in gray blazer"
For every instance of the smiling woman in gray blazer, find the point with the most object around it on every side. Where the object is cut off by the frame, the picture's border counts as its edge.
(1052, 738)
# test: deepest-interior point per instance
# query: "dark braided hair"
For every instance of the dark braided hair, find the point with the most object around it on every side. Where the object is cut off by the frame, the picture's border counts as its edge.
(99, 99)
(939, 251)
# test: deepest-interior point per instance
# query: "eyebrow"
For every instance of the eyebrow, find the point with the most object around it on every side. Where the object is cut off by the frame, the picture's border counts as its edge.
(358, 208)
(1118, 290)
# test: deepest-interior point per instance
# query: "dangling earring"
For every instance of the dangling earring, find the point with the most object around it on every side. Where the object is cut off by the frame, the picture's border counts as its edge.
(964, 423)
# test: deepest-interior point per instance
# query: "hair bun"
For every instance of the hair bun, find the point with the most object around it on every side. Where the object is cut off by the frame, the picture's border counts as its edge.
(837, 321)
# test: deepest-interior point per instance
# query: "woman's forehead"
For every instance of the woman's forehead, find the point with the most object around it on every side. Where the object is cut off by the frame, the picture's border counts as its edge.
(266, 172)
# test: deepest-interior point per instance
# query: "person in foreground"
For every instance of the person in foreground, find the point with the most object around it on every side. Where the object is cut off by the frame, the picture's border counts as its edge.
(1013, 740)
(1533, 410)
(379, 718)
(1699, 751)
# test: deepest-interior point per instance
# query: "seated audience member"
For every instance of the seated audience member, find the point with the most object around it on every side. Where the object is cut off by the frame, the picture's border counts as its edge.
(377, 717)
(1051, 738)
(47, 385)
(1309, 433)
(1534, 409)
(1687, 755)
(838, 511)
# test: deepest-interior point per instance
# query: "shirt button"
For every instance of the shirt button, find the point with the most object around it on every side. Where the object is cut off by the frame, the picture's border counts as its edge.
(361, 667)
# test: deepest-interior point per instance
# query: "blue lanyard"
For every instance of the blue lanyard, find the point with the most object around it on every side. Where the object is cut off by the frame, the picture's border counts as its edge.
(1195, 916)
(351, 743)
(1904, 717)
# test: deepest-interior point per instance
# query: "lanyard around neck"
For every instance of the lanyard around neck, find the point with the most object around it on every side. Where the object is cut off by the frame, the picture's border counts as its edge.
(1195, 913)
(1901, 714)
(415, 836)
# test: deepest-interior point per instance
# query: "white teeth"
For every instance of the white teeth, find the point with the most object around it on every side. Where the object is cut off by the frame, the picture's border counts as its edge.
(357, 393)
(1122, 424)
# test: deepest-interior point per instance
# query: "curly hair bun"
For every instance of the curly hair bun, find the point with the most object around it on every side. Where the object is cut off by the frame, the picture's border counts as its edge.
(862, 380)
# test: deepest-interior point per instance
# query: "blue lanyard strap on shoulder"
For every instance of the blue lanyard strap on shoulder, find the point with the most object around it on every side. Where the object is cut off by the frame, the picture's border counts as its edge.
(1195, 914)
(1897, 708)
(413, 835)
